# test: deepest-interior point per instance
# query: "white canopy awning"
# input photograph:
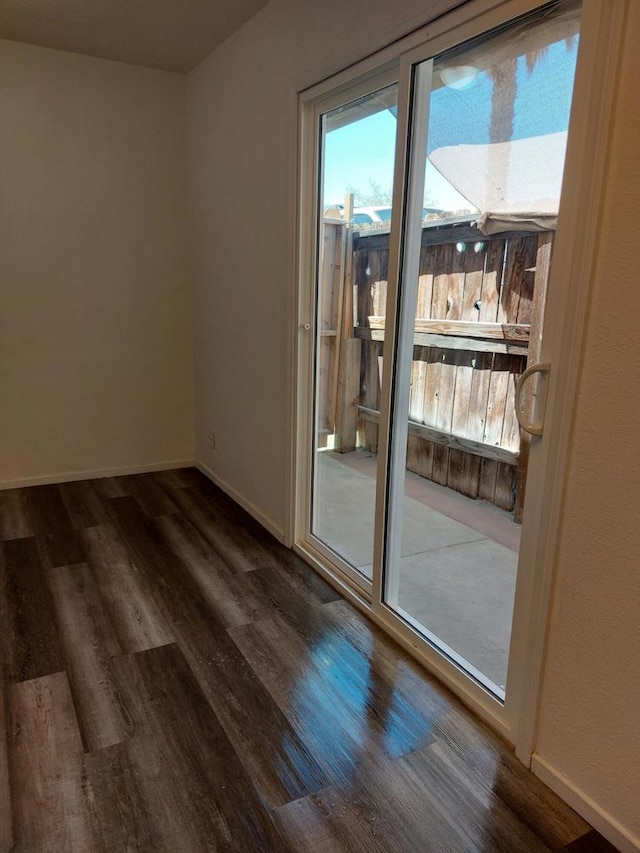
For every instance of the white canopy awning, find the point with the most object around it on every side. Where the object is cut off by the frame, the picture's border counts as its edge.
(514, 185)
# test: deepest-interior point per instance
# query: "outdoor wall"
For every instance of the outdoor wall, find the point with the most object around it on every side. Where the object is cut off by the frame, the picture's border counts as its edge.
(590, 724)
(241, 119)
(95, 323)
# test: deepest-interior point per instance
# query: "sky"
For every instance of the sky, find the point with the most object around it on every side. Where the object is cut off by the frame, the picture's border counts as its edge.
(364, 151)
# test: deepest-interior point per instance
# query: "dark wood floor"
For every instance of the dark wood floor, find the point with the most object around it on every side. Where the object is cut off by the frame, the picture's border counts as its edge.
(175, 680)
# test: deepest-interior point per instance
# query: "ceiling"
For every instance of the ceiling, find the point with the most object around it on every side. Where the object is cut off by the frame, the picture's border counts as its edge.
(174, 35)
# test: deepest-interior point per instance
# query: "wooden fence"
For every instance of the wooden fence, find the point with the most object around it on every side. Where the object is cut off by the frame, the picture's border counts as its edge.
(478, 324)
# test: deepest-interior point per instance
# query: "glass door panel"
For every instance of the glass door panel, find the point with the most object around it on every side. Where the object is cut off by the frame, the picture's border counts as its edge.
(357, 148)
(491, 156)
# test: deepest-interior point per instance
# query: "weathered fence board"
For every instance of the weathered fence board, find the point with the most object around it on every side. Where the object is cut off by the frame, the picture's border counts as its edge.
(478, 317)
(446, 439)
(465, 329)
(474, 309)
(329, 285)
(428, 339)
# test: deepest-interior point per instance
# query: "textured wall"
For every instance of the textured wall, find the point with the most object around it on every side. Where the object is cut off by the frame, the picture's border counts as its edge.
(241, 155)
(590, 722)
(95, 324)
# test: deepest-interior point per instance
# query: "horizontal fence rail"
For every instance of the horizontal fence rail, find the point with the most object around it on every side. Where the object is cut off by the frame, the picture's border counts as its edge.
(477, 326)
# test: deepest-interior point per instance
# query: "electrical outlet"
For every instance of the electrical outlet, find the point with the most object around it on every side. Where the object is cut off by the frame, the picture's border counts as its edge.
(212, 440)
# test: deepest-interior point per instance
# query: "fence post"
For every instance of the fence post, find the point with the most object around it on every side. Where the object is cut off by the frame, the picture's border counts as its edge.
(348, 385)
(543, 263)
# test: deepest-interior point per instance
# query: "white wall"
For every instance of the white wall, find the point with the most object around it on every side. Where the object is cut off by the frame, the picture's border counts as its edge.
(241, 155)
(241, 120)
(590, 721)
(95, 323)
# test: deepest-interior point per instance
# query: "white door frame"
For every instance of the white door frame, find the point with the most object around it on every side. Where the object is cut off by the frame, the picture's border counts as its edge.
(567, 301)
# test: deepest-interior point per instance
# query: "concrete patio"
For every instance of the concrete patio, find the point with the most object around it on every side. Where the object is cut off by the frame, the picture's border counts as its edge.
(458, 557)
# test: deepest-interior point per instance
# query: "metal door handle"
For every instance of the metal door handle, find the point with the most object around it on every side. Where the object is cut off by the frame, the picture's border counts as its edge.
(536, 426)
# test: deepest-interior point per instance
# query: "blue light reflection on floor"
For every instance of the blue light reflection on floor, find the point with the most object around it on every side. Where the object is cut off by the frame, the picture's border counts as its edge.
(346, 708)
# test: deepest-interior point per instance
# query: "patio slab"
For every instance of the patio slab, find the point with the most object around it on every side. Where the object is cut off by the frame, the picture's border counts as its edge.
(464, 595)
(456, 579)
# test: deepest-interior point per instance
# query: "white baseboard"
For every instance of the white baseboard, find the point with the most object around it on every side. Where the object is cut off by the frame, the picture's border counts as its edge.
(270, 525)
(70, 476)
(594, 814)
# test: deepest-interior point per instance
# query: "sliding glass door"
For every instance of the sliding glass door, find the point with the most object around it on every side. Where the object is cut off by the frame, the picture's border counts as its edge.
(357, 142)
(487, 138)
(436, 188)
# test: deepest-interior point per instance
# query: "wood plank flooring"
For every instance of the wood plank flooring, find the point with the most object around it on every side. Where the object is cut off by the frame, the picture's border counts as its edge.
(174, 680)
